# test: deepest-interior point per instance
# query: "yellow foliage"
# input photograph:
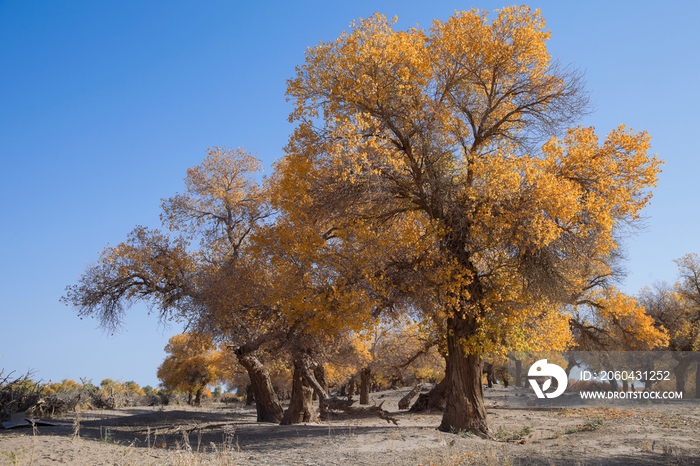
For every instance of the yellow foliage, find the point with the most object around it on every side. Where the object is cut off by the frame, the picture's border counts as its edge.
(65, 385)
(676, 308)
(191, 363)
(609, 319)
(448, 140)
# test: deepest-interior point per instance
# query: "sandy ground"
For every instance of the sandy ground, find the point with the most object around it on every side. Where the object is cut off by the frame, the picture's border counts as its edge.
(523, 434)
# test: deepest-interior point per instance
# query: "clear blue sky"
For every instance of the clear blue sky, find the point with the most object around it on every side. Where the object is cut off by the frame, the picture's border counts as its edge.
(105, 104)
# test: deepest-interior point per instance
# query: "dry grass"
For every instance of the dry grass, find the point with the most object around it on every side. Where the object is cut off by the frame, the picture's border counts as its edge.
(218, 435)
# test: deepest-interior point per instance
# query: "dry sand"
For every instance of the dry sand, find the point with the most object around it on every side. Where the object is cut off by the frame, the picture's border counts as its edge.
(523, 434)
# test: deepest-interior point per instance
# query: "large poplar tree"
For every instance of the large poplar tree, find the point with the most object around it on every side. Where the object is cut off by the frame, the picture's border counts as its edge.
(467, 130)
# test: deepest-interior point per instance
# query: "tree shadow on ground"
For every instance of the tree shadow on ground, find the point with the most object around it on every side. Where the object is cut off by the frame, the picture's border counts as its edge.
(238, 431)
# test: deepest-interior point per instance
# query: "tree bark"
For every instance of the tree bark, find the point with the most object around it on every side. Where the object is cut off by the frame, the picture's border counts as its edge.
(681, 371)
(464, 408)
(249, 395)
(406, 400)
(435, 398)
(301, 408)
(267, 403)
(198, 397)
(352, 386)
(320, 375)
(571, 362)
(364, 385)
(697, 380)
(490, 377)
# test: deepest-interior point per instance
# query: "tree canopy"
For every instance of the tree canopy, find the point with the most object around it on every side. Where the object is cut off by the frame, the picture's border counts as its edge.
(464, 129)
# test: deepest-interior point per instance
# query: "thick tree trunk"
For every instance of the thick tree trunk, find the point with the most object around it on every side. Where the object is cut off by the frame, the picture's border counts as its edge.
(198, 397)
(464, 409)
(301, 407)
(681, 372)
(364, 385)
(267, 403)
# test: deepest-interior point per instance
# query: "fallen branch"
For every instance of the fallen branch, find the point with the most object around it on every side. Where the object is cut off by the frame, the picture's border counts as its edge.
(347, 409)
(181, 428)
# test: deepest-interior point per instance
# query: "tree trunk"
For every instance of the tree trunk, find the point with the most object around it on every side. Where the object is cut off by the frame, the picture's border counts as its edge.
(518, 373)
(249, 395)
(352, 385)
(198, 397)
(697, 380)
(267, 403)
(488, 370)
(405, 402)
(464, 409)
(648, 383)
(320, 375)
(301, 407)
(189, 398)
(571, 362)
(364, 385)
(435, 398)
(681, 372)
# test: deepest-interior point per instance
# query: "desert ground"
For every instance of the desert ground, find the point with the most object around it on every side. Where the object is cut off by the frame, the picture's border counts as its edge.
(522, 433)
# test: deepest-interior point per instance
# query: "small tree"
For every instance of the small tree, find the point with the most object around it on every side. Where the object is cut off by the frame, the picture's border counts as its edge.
(190, 365)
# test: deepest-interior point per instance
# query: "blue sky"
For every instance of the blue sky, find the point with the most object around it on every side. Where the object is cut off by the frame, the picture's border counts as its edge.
(105, 104)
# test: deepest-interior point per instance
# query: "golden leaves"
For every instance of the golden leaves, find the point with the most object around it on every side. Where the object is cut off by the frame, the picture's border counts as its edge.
(442, 124)
(616, 321)
(191, 363)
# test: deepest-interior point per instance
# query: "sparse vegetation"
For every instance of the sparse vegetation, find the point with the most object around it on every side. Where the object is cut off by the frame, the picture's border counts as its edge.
(588, 426)
(17, 393)
(505, 434)
(224, 434)
(22, 394)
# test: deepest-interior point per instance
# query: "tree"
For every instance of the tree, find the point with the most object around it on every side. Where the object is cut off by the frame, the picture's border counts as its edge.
(149, 266)
(609, 320)
(221, 209)
(689, 290)
(443, 129)
(190, 365)
(392, 353)
(676, 308)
